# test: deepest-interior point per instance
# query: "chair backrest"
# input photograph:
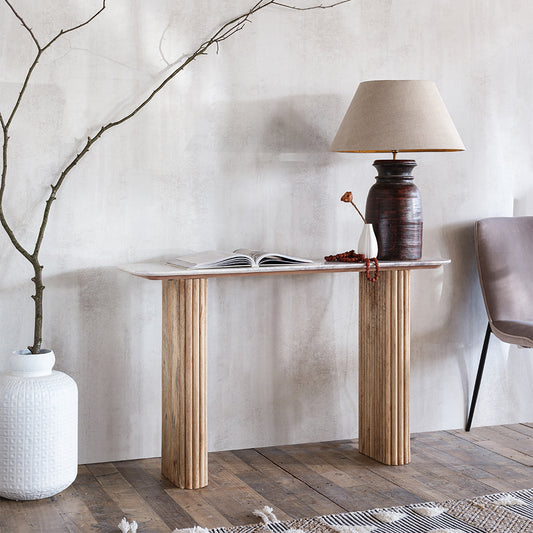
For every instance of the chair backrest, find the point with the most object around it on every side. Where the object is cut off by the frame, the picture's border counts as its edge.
(504, 252)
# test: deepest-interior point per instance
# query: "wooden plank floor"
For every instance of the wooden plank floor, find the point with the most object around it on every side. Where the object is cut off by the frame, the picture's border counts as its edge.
(297, 481)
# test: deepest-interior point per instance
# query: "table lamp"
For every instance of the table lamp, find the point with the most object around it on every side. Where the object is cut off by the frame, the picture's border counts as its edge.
(396, 116)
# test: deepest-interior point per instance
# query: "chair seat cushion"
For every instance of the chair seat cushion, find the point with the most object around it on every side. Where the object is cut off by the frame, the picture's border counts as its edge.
(518, 332)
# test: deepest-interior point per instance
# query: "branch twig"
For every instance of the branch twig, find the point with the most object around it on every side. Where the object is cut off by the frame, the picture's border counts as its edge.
(3, 221)
(33, 258)
(22, 21)
(225, 31)
(74, 28)
(40, 50)
(321, 6)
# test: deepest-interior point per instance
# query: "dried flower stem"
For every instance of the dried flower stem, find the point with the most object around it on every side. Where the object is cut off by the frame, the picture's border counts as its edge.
(348, 198)
(360, 214)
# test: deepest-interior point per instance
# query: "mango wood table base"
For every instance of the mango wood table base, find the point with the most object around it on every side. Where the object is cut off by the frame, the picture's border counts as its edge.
(383, 359)
(184, 435)
(384, 367)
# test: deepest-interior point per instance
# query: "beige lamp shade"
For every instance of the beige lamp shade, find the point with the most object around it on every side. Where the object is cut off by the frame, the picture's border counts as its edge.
(397, 116)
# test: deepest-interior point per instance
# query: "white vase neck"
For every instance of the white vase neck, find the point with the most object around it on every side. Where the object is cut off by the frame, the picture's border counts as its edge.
(25, 364)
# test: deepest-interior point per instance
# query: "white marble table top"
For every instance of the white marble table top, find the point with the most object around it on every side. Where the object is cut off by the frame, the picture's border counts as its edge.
(162, 271)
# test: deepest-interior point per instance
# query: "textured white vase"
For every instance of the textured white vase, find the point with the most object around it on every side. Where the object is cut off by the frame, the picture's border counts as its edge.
(368, 244)
(38, 428)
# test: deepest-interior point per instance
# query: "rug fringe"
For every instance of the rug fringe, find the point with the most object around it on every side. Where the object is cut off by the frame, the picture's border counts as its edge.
(387, 517)
(429, 512)
(127, 527)
(195, 529)
(266, 515)
(508, 499)
(516, 506)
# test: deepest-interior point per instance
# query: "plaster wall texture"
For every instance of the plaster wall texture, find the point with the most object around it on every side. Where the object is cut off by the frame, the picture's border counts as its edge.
(234, 153)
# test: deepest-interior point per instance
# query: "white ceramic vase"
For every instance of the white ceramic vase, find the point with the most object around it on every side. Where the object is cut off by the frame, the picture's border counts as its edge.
(38, 427)
(368, 244)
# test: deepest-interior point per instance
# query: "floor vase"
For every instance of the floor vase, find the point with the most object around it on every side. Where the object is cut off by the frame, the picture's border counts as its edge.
(38, 428)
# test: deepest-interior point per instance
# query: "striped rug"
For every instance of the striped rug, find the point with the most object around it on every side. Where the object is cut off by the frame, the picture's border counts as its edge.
(510, 512)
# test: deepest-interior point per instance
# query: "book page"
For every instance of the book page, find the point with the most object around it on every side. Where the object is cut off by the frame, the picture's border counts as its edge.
(271, 258)
(255, 255)
(212, 259)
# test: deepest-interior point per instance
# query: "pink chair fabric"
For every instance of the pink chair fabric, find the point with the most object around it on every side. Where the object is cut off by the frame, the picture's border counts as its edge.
(504, 252)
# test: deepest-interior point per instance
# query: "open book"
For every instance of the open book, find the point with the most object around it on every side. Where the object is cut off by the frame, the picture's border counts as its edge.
(239, 258)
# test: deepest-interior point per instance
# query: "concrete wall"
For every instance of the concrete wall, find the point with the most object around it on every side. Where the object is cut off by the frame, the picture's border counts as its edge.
(234, 153)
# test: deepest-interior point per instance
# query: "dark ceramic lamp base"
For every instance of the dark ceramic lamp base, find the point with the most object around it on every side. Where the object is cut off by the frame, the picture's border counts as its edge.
(394, 208)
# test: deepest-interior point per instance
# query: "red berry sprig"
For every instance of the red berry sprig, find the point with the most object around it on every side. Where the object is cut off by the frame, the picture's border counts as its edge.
(352, 257)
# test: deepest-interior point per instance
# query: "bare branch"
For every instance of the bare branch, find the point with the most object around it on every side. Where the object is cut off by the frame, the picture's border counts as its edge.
(224, 32)
(22, 21)
(55, 188)
(24, 87)
(5, 139)
(34, 257)
(40, 50)
(161, 51)
(3, 221)
(74, 28)
(321, 6)
(5, 126)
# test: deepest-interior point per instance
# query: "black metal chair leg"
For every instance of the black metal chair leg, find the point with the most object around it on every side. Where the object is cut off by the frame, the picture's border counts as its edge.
(478, 377)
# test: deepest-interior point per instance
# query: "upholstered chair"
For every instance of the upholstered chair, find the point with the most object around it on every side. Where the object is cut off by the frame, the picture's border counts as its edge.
(504, 253)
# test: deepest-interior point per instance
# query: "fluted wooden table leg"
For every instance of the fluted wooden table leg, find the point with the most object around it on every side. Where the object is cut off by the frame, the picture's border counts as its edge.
(184, 436)
(384, 367)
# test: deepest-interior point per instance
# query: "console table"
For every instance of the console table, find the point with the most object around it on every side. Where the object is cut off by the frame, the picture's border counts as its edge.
(383, 360)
